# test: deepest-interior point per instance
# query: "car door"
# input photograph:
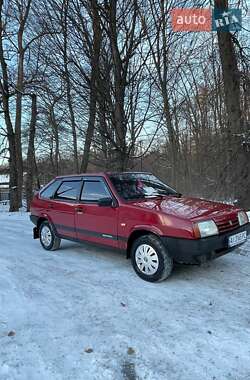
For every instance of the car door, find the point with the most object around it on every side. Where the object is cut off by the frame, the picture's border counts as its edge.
(94, 222)
(62, 208)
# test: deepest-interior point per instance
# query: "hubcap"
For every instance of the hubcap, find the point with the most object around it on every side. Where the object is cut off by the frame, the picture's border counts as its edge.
(146, 259)
(46, 236)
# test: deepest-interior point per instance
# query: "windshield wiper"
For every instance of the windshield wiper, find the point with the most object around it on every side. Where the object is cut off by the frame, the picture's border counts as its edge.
(136, 196)
(178, 195)
(155, 195)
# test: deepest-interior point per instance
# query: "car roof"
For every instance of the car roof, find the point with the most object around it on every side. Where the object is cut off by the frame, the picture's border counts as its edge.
(99, 174)
(81, 175)
(132, 172)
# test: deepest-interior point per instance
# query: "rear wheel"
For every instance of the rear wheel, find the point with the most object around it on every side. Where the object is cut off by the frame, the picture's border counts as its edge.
(150, 259)
(48, 238)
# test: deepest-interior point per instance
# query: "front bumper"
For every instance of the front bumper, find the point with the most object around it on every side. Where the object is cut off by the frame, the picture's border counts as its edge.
(198, 251)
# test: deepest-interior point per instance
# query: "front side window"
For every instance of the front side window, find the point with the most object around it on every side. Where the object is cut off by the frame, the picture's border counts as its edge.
(49, 191)
(93, 191)
(68, 190)
(140, 185)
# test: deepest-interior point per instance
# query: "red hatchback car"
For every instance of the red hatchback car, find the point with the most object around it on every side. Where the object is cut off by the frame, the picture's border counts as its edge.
(140, 214)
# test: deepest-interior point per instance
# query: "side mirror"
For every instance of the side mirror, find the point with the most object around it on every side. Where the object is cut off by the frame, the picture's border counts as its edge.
(105, 202)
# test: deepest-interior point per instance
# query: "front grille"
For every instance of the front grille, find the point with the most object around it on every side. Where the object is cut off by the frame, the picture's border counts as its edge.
(228, 225)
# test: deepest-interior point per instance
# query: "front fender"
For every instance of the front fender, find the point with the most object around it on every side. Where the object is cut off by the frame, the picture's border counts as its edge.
(144, 227)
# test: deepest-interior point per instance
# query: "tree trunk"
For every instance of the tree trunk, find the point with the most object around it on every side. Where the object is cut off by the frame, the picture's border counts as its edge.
(18, 138)
(13, 184)
(119, 85)
(90, 128)
(68, 86)
(97, 36)
(231, 79)
(4, 87)
(19, 88)
(31, 152)
(55, 130)
(172, 138)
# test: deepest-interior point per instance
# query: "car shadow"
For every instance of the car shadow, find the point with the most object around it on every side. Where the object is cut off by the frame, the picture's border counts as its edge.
(210, 268)
(180, 271)
(96, 249)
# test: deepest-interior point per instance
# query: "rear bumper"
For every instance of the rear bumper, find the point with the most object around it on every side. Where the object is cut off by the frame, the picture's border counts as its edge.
(201, 250)
(34, 219)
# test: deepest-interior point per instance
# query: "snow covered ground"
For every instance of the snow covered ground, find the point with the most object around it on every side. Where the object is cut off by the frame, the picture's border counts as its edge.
(82, 313)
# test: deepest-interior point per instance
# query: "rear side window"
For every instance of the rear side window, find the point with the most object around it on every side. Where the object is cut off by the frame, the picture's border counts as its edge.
(94, 190)
(68, 190)
(50, 190)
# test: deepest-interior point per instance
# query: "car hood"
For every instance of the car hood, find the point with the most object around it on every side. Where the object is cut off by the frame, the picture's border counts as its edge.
(187, 208)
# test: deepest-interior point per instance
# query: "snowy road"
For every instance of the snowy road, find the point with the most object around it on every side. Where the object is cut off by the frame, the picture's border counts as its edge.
(195, 326)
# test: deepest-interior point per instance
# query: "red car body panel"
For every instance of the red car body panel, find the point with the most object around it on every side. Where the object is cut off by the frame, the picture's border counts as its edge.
(94, 220)
(168, 216)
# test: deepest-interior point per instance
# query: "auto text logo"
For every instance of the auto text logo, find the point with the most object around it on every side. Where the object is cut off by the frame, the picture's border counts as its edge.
(206, 19)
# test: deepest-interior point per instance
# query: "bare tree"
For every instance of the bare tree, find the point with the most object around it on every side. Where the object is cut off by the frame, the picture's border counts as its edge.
(232, 88)
(94, 49)
(31, 166)
(6, 94)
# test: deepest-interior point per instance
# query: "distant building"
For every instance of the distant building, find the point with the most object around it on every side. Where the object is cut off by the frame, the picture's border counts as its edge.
(4, 187)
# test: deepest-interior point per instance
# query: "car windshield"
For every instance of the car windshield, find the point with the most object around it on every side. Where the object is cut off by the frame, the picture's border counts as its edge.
(140, 185)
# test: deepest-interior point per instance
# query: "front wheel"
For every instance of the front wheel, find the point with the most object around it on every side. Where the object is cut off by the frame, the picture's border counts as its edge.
(150, 259)
(48, 238)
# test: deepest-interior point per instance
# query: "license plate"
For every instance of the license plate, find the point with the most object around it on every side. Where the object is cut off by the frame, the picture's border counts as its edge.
(237, 239)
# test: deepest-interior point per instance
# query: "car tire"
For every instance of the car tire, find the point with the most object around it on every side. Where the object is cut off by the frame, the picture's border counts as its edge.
(48, 238)
(150, 259)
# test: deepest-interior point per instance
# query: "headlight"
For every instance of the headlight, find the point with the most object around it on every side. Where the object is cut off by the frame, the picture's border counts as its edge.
(243, 218)
(205, 229)
(248, 214)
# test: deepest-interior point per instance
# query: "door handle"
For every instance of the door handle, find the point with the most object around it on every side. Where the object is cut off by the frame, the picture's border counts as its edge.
(50, 205)
(79, 210)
